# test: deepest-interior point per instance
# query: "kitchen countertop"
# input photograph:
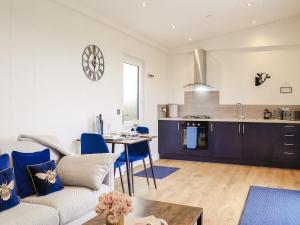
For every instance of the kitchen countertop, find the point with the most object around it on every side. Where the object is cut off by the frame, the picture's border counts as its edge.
(233, 120)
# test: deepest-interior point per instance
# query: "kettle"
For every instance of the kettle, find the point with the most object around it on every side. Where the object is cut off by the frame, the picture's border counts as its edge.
(267, 114)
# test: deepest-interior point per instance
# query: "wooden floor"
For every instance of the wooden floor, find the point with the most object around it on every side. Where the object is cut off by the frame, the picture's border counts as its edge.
(220, 189)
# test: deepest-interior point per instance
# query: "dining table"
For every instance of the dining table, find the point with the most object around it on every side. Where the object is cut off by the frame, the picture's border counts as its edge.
(126, 142)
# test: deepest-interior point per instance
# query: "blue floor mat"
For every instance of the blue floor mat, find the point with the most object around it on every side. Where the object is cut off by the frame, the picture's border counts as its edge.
(271, 206)
(160, 172)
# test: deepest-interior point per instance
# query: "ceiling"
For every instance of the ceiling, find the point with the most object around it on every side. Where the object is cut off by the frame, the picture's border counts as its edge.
(195, 19)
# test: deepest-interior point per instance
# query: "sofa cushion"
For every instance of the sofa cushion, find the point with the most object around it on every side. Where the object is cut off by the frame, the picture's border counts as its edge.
(86, 170)
(8, 191)
(4, 162)
(21, 161)
(44, 177)
(71, 202)
(29, 214)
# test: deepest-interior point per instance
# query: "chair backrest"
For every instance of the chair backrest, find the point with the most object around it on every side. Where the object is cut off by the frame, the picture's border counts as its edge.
(93, 143)
(141, 148)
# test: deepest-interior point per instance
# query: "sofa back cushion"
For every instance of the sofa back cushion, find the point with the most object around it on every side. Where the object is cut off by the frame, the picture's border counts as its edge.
(45, 178)
(21, 161)
(4, 162)
(8, 192)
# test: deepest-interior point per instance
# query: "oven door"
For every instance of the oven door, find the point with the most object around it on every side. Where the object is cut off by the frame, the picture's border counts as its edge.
(201, 137)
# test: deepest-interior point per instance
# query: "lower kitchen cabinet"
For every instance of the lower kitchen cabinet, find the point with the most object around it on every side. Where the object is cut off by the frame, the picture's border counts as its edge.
(266, 144)
(169, 137)
(225, 140)
(259, 141)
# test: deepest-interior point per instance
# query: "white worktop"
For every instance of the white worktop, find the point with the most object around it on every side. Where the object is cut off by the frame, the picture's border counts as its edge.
(233, 120)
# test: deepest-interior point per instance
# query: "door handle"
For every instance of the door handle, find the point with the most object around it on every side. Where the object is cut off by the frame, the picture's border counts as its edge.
(239, 128)
(211, 127)
(289, 135)
(289, 126)
(289, 153)
(178, 126)
(243, 128)
(286, 144)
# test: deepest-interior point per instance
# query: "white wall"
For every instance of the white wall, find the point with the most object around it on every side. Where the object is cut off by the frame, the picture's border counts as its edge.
(43, 89)
(234, 59)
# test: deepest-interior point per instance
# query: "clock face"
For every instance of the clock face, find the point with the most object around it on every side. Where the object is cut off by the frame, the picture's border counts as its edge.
(93, 62)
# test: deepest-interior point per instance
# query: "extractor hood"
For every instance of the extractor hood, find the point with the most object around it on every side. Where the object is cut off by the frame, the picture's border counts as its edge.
(199, 71)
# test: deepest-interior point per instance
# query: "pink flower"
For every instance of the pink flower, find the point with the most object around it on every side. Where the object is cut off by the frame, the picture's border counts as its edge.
(114, 205)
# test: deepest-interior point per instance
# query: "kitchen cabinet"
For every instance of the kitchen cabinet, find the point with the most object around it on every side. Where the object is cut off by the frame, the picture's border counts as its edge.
(259, 140)
(264, 144)
(225, 140)
(169, 137)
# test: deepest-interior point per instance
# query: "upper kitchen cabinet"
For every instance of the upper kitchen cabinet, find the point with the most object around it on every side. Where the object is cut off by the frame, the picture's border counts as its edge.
(169, 137)
(225, 140)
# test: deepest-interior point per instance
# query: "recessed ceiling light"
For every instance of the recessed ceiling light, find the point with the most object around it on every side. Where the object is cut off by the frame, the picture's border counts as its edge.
(144, 4)
(249, 4)
(190, 39)
(254, 22)
(173, 27)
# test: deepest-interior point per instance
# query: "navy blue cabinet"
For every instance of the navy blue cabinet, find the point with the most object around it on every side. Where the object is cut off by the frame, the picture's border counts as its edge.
(259, 141)
(169, 137)
(225, 140)
(266, 144)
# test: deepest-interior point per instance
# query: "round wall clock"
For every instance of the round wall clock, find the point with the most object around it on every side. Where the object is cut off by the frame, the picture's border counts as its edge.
(93, 62)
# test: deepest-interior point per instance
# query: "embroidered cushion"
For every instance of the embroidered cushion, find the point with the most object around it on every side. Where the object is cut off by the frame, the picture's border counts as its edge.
(21, 161)
(4, 162)
(8, 192)
(44, 177)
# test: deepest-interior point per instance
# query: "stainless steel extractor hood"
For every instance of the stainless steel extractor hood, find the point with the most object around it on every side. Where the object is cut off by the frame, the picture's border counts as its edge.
(199, 70)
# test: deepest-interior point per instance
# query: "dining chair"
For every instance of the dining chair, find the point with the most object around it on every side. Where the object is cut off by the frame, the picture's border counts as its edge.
(137, 152)
(94, 144)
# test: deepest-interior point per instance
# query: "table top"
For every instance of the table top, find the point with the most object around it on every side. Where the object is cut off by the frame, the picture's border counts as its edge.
(174, 214)
(130, 141)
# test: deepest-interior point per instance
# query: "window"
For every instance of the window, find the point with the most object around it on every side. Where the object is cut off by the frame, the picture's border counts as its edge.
(131, 97)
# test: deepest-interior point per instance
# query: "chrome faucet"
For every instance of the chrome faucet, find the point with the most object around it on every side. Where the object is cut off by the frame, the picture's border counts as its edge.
(239, 107)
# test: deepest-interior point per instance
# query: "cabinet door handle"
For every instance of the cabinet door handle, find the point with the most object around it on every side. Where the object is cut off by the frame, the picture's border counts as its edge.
(243, 128)
(286, 144)
(239, 128)
(289, 126)
(289, 153)
(289, 135)
(178, 126)
(211, 127)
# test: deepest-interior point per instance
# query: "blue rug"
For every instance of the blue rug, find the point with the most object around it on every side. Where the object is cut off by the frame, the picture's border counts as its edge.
(271, 206)
(160, 172)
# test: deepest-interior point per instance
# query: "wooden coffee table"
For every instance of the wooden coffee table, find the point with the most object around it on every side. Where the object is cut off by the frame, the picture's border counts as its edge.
(174, 214)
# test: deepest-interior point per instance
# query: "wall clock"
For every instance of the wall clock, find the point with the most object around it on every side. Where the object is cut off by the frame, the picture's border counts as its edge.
(93, 62)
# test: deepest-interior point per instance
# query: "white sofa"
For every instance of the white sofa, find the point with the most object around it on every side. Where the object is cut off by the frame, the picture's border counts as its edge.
(70, 206)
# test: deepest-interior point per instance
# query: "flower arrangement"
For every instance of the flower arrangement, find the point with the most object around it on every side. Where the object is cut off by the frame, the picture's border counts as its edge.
(114, 205)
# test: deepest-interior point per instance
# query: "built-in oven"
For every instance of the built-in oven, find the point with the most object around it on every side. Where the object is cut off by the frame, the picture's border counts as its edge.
(194, 135)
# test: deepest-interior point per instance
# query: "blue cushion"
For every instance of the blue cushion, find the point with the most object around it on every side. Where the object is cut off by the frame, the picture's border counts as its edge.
(45, 178)
(21, 161)
(4, 161)
(8, 191)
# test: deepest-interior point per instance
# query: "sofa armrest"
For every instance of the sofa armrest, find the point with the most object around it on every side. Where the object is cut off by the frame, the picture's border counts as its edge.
(109, 179)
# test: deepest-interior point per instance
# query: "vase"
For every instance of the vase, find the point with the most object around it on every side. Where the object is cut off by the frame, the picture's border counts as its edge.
(120, 222)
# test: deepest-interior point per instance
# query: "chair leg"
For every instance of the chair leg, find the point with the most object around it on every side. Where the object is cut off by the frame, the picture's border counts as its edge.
(146, 172)
(132, 177)
(151, 164)
(121, 178)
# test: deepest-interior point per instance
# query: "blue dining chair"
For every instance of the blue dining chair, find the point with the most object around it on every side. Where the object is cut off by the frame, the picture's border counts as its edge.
(95, 143)
(137, 152)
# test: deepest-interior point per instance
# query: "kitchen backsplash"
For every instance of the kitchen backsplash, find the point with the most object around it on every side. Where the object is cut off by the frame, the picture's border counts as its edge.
(207, 103)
